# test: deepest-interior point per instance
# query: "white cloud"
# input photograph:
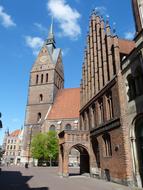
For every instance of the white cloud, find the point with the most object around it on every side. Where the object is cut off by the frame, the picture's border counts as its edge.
(129, 35)
(5, 19)
(66, 16)
(35, 43)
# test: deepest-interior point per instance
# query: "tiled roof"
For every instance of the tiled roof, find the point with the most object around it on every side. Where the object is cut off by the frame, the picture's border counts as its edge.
(15, 133)
(66, 104)
(126, 46)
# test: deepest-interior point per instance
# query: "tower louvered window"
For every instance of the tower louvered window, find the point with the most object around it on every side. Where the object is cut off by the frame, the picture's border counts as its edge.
(37, 79)
(47, 77)
(42, 78)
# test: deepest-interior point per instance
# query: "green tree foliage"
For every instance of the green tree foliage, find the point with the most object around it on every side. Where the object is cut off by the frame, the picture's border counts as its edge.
(52, 146)
(38, 146)
(45, 146)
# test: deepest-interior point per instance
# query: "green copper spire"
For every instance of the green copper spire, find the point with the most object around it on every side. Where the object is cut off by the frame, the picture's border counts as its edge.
(51, 39)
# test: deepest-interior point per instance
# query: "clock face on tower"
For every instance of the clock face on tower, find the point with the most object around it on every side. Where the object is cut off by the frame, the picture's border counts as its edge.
(43, 58)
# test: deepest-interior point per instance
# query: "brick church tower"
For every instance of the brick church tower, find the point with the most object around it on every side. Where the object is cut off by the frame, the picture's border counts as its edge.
(46, 78)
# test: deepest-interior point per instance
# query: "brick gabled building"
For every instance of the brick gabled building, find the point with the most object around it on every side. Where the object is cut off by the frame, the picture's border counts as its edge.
(132, 76)
(112, 101)
(102, 110)
(111, 116)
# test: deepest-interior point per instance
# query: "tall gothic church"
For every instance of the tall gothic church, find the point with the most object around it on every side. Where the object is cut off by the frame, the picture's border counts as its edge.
(46, 78)
(49, 105)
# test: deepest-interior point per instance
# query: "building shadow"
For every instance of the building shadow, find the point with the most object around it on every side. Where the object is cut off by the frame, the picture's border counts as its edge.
(74, 174)
(14, 180)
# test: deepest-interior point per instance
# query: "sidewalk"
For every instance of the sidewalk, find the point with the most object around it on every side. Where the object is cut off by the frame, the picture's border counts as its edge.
(46, 178)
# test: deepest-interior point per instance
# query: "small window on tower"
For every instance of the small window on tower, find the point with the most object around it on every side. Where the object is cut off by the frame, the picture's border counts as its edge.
(41, 98)
(39, 117)
(47, 77)
(42, 78)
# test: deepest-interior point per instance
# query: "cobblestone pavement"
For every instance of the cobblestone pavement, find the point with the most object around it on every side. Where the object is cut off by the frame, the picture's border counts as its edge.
(18, 178)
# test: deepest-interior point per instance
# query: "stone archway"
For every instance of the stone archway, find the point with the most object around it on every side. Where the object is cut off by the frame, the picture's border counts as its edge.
(73, 139)
(83, 159)
(136, 136)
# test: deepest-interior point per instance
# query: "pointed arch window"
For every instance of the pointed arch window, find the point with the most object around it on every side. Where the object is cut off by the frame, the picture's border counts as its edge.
(39, 115)
(132, 87)
(107, 57)
(52, 128)
(110, 114)
(107, 145)
(68, 127)
(139, 80)
(113, 58)
(101, 111)
(47, 77)
(37, 77)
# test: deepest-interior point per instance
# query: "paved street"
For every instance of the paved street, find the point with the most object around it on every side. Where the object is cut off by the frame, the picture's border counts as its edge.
(18, 178)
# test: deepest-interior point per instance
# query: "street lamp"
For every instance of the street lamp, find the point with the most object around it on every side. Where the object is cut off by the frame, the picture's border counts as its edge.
(0, 120)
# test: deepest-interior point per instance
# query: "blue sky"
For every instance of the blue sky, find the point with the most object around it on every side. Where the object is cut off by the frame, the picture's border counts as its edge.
(24, 25)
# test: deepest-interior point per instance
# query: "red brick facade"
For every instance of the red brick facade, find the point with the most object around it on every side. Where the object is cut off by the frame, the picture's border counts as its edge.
(110, 101)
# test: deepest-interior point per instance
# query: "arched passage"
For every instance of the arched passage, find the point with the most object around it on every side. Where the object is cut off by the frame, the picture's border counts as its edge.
(82, 158)
(139, 144)
(71, 139)
(136, 136)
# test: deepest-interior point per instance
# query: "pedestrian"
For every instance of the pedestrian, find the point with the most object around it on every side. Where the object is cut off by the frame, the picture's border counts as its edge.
(26, 165)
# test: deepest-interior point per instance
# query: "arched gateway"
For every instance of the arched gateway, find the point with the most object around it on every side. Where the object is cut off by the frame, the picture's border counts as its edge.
(73, 139)
(136, 136)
